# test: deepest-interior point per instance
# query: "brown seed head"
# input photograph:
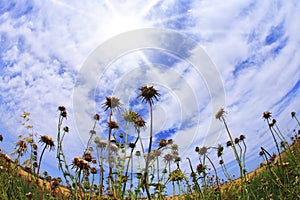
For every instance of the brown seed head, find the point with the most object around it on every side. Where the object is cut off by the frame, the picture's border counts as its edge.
(148, 94)
(221, 112)
(112, 103)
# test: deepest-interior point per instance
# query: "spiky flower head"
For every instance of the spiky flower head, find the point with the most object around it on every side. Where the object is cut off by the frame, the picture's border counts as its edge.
(130, 116)
(80, 163)
(162, 143)
(139, 123)
(87, 157)
(113, 125)
(176, 175)
(267, 115)
(112, 103)
(48, 141)
(148, 94)
(220, 113)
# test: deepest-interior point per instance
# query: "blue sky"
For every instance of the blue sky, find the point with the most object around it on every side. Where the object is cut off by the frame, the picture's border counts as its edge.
(254, 46)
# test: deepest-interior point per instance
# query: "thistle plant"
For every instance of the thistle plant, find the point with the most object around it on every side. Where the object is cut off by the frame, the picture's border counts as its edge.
(293, 114)
(267, 116)
(220, 115)
(111, 103)
(148, 94)
(47, 142)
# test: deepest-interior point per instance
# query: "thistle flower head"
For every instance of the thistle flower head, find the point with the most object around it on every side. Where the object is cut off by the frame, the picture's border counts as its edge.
(139, 123)
(87, 157)
(203, 150)
(148, 94)
(220, 113)
(267, 115)
(162, 143)
(80, 163)
(201, 168)
(112, 103)
(113, 125)
(130, 116)
(176, 175)
(48, 141)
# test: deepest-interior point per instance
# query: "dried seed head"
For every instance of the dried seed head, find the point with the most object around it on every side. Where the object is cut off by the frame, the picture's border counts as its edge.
(139, 123)
(112, 103)
(1, 138)
(267, 115)
(113, 125)
(203, 150)
(228, 143)
(197, 149)
(221, 162)
(220, 113)
(93, 170)
(48, 141)
(148, 94)
(242, 137)
(293, 114)
(61, 108)
(96, 117)
(162, 143)
(236, 140)
(131, 145)
(87, 157)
